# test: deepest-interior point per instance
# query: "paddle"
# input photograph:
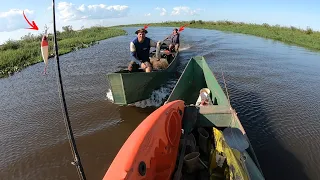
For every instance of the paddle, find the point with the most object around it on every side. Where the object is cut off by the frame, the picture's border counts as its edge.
(190, 120)
(235, 139)
(177, 174)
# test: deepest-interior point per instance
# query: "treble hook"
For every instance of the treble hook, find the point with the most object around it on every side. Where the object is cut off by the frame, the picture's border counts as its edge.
(46, 29)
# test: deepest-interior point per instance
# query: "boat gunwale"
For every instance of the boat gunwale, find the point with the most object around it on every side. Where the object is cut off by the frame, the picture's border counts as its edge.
(178, 80)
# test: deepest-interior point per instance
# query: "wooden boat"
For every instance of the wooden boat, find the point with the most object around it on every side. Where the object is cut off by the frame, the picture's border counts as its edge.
(202, 140)
(218, 118)
(129, 87)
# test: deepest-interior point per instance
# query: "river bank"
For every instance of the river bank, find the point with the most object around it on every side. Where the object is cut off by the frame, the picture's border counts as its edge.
(16, 55)
(308, 38)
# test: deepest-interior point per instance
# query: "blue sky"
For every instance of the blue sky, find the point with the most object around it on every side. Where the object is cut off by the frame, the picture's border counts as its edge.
(80, 13)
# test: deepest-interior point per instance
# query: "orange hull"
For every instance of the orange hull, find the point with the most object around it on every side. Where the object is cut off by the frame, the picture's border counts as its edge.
(151, 150)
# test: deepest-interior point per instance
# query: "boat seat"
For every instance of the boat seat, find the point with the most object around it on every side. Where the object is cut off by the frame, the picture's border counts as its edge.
(214, 109)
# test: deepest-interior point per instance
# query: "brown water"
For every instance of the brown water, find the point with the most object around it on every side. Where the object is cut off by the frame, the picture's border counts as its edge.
(273, 87)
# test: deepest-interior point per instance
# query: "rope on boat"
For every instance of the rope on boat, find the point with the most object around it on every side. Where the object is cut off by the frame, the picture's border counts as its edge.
(225, 86)
(71, 139)
(242, 158)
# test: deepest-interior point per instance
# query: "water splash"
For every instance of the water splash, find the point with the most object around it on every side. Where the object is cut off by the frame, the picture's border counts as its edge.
(109, 95)
(158, 96)
(156, 99)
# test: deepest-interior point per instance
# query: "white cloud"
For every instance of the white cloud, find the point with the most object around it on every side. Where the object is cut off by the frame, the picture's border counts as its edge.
(184, 10)
(148, 14)
(163, 11)
(14, 20)
(69, 12)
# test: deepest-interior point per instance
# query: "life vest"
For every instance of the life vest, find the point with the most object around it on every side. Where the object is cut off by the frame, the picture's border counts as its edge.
(174, 38)
(142, 49)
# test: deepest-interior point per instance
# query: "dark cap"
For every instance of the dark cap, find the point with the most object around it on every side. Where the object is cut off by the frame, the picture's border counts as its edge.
(175, 29)
(141, 30)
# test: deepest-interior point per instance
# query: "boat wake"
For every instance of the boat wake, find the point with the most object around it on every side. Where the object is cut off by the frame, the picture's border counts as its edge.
(185, 47)
(156, 99)
(109, 95)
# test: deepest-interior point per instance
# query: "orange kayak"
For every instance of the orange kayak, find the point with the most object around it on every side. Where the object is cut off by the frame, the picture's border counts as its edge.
(151, 150)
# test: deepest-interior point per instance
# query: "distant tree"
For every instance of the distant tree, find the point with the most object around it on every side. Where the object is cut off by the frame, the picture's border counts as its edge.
(10, 44)
(266, 25)
(309, 30)
(200, 22)
(67, 28)
(31, 37)
(293, 28)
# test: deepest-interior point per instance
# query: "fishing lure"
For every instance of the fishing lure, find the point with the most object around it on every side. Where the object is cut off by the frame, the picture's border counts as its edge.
(45, 49)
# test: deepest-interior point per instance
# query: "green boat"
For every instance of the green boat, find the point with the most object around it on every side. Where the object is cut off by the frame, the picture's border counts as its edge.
(212, 124)
(129, 87)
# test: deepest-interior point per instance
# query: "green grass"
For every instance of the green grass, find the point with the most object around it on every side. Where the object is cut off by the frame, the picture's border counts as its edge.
(16, 55)
(308, 38)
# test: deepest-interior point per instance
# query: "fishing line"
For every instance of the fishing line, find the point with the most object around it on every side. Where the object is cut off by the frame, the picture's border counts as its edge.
(72, 142)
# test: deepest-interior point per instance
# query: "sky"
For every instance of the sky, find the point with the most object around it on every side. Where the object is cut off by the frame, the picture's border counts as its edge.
(80, 13)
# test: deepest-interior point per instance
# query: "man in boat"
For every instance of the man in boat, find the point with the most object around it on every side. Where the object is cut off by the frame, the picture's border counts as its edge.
(174, 39)
(140, 49)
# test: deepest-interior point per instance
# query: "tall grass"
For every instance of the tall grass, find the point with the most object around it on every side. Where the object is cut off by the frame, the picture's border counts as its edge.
(16, 55)
(307, 38)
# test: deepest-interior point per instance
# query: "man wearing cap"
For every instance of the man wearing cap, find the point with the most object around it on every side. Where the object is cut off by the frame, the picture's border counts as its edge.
(140, 48)
(174, 40)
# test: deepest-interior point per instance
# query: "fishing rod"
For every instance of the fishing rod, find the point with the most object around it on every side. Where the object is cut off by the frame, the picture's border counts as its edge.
(77, 161)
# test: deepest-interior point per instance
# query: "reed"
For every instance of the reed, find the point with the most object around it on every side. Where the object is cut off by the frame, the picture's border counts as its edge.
(16, 55)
